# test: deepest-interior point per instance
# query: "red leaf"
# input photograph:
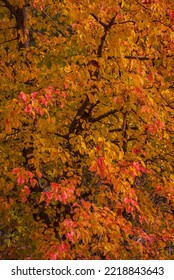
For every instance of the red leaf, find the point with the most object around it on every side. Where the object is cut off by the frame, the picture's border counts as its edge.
(63, 248)
(48, 197)
(171, 14)
(150, 77)
(30, 174)
(55, 187)
(66, 85)
(28, 108)
(140, 219)
(136, 151)
(64, 197)
(119, 16)
(97, 148)
(53, 257)
(70, 235)
(127, 200)
(100, 162)
(137, 90)
(23, 197)
(22, 96)
(20, 180)
(39, 174)
(39, 111)
(26, 190)
(158, 188)
(44, 102)
(48, 96)
(16, 170)
(33, 95)
(129, 209)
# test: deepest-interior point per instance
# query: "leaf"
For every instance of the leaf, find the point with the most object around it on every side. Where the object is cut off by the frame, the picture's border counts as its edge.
(26, 190)
(121, 155)
(8, 128)
(20, 180)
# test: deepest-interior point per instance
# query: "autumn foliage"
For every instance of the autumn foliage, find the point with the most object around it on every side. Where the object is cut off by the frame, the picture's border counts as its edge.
(86, 129)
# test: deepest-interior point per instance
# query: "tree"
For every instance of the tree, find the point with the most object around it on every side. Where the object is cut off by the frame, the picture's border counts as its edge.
(86, 129)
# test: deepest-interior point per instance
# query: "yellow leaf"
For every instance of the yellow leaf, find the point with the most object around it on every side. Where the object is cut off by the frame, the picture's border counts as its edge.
(120, 155)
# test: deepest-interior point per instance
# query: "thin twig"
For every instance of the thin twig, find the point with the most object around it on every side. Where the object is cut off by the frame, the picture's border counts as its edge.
(136, 57)
(128, 21)
(144, 7)
(8, 41)
(98, 20)
(54, 24)
(169, 26)
(105, 115)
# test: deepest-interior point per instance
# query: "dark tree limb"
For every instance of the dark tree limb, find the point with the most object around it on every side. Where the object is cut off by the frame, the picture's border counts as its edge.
(107, 27)
(98, 20)
(136, 57)
(105, 115)
(8, 41)
(103, 38)
(10, 7)
(124, 129)
(78, 115)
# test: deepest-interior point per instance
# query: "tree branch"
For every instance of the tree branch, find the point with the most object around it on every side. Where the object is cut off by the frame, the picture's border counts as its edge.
(144, 7)
(54, 24)
(10, 7)
(128, 21)
(121, 129)
(136, 57)
(98, 20)
(107, 27)
(8, 41)
(105, 115)
(159, 21)
(60, 135)
(103, 38)
(124, 128)
(7, 28)
(80, 112)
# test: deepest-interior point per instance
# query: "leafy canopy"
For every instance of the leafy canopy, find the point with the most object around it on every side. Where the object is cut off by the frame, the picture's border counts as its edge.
(86, 108)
